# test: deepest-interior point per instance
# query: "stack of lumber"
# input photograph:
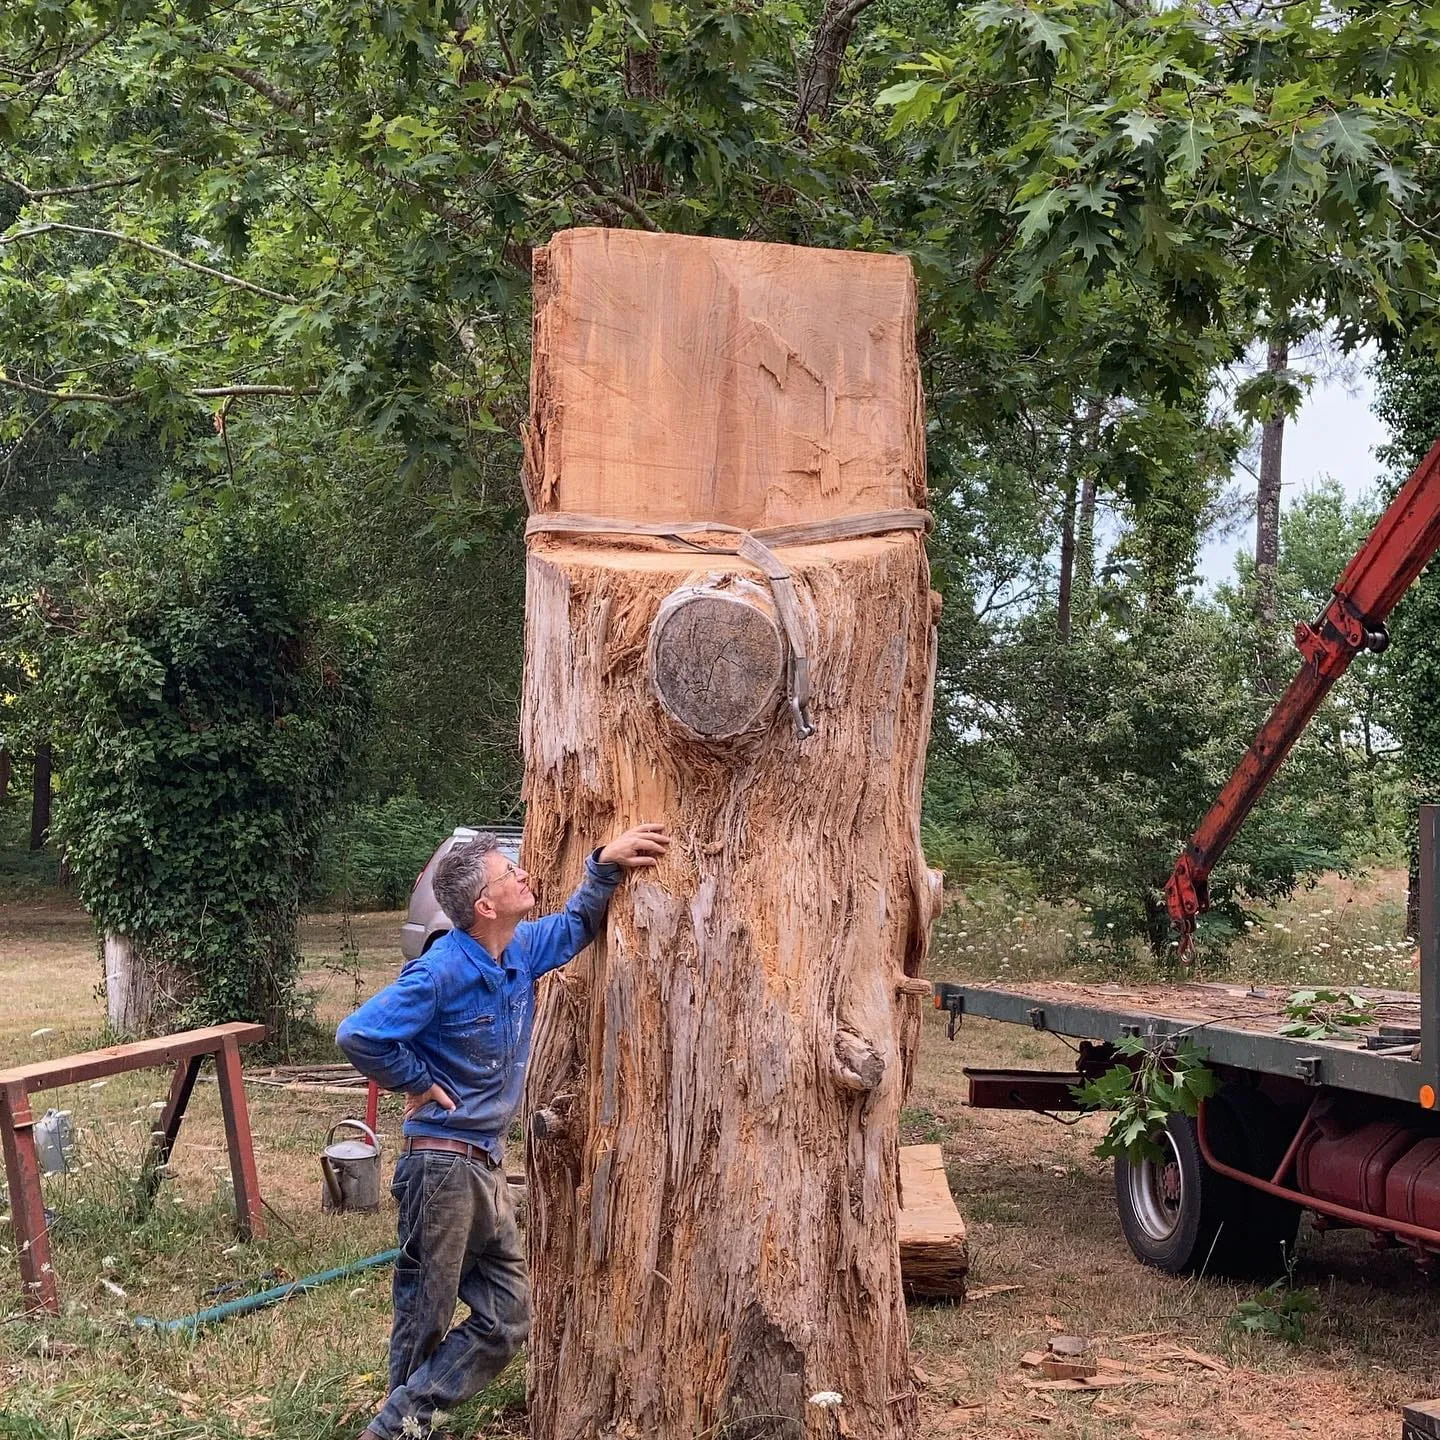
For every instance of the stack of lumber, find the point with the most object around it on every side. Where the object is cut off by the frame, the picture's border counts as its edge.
(933, 1252)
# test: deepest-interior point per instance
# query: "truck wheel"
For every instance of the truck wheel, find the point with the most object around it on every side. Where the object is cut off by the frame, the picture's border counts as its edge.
(1260, 1237)
(1173, 1208)
(1180, 1216)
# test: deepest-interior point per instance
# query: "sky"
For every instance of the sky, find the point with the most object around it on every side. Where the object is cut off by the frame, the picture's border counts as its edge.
(1334, 434)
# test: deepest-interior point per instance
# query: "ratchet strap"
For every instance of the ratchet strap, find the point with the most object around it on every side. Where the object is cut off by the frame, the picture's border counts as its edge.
(753, 546)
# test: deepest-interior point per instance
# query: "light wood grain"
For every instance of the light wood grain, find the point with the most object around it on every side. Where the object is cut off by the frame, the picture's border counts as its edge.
(934, 1251)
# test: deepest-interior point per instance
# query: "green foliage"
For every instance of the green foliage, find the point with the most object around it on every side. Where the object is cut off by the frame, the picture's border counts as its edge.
(22, 870)
(1320, 1014)
(1120, 740)
(370, 855)
(292, 262)
(1261, 162)
(1279, 1310)
(206, 708)
(1408, 400)
(1353, 731)
(1142, 1097)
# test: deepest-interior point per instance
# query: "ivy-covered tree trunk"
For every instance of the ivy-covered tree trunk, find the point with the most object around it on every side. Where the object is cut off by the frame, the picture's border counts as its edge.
(716, 1086)
(208, 700)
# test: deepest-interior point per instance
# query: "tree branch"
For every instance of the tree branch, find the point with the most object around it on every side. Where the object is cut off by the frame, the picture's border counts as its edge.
(525, 118)
(46, 78)
(85, 397)
(261, 86)
(556, 146)
(821, 72)
(291, 106)
(243, 392)
(61, 191)
(129, 397)
(195, 265)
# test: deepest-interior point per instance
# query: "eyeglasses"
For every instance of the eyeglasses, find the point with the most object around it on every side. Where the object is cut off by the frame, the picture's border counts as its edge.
(510, 869)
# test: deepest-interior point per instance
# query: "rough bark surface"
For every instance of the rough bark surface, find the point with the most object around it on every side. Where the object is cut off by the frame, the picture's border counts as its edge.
(129, 989)
(716, 1084)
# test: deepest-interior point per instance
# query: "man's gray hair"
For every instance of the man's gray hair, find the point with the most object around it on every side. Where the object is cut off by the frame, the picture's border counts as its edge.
(461, 876)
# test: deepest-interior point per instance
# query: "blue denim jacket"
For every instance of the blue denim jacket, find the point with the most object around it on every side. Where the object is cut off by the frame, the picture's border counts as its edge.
(458, 1019)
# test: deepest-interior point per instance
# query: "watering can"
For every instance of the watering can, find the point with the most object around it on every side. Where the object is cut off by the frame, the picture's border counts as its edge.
(351, 1169)
(54, 1142)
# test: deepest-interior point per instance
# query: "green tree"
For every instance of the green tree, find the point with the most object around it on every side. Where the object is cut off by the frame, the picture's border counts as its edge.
(1118, 744)
(1408, 400)
(206, 705)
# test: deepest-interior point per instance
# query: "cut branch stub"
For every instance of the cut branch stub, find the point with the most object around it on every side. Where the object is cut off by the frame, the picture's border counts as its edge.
(717, 658)
(858, 1064)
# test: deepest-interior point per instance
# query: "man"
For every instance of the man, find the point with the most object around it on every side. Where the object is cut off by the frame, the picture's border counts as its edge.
(453, 1032)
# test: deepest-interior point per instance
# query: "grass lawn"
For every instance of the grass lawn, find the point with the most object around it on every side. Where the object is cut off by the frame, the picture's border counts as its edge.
(1047, 1253)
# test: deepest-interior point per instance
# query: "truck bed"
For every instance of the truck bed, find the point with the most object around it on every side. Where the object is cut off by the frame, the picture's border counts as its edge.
(1237, 1024)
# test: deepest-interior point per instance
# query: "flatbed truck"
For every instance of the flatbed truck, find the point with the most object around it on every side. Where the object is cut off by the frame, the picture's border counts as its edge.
(1345, 1127)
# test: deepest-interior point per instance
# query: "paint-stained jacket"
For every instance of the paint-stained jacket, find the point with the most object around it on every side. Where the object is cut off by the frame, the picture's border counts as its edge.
(459, 1019)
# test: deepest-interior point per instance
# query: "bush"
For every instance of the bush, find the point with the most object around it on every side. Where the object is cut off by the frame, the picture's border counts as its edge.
(206, 701)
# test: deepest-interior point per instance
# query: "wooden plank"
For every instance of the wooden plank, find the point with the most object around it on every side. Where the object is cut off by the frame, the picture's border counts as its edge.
(934, 1253)
(1421, 1420)
(139, 1055)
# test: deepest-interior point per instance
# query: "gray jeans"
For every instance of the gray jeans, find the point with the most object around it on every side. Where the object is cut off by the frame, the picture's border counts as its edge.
(458, 1240)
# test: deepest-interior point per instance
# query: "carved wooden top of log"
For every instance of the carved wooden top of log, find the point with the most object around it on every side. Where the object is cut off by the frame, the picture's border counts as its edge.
(679, 378)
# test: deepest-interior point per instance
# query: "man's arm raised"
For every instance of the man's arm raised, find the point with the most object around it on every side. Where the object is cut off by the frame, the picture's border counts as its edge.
(560, 937)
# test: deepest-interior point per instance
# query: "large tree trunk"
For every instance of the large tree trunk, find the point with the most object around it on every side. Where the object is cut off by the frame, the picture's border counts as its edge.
(6, 767)
(40, 798)
(716, 1086)
(1267, 500)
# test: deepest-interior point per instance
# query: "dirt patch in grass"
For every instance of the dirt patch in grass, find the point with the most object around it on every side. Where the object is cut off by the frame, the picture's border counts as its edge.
(1039, 1205)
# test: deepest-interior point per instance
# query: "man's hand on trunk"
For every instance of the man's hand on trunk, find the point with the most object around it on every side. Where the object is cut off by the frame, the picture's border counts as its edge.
(637, 849)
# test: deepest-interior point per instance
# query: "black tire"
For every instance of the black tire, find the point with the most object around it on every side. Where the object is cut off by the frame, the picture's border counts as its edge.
(1179, 1216)
(1259, 1239)
(1173, 1209)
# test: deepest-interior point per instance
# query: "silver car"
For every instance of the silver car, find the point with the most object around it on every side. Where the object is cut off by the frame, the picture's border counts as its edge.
(427, 922)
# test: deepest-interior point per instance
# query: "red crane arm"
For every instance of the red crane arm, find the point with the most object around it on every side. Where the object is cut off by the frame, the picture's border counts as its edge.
(1380, 572)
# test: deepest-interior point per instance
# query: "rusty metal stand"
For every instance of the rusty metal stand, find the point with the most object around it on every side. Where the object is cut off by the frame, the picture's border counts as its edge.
(188, 1049)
